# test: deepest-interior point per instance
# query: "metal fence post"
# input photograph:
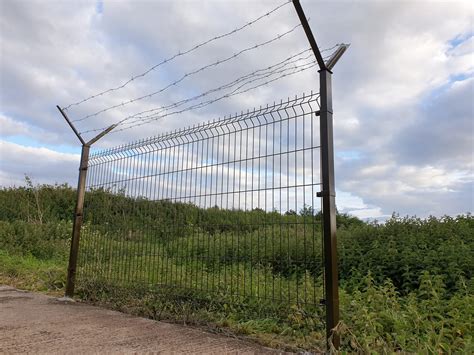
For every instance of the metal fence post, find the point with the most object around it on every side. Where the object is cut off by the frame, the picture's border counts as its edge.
(79, 210)
(77, 224)
(328, 195)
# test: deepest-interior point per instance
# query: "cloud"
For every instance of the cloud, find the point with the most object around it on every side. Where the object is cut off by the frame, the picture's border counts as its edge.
(41, 164)
(402, 92)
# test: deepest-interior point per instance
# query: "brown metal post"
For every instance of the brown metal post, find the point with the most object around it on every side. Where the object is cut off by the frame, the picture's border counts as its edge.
(77, 224)
(79, 211)
(328, 195)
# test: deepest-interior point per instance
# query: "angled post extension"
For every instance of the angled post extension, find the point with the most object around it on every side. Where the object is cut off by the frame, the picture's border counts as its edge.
(79, 209)
(328, 193)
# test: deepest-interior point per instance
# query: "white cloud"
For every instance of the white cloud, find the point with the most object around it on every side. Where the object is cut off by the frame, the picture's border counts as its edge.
(402, 59)
(41, 164)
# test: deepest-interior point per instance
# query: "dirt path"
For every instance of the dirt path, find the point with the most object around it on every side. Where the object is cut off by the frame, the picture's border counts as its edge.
(35, 323)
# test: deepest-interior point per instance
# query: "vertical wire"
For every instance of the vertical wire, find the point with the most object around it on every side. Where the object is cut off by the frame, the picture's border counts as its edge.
(234, 214)
(86, 239)
(223, 231)
(263, 221)
(146, 213)
(139, 230)
(112, 228)
(201, 230)
(287, 153)
(171, 230)
(180, 260)
(185, 216)
(274, 220)
(251, 233)
(227, 190)
(136, 181)
(172, 227)
(164, 206)
(125, 243)
(304, 204)
(98, 239)
(118, 229)
(178, 221)
(245, 232)
(281, 202)
(217, 228)
(239, 228)
(110, 237)
(154, 207)
(295, 237)
(265, 231)
(204, 172)
(189, 258)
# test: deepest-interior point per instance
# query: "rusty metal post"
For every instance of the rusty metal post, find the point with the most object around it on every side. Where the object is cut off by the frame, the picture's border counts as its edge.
(78, 218)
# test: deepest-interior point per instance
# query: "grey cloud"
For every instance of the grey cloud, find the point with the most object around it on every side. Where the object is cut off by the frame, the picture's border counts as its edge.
(63, 52)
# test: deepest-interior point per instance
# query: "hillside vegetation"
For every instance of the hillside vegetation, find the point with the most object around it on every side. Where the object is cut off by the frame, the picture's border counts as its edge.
(405, 285)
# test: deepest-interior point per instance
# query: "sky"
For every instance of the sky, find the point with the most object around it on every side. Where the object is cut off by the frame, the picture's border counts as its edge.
(403, 93)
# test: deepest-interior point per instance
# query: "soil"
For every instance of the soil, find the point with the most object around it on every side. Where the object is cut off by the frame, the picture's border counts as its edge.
(36, 323)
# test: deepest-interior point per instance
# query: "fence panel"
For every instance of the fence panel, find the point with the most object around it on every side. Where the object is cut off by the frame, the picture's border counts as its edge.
(224, 210)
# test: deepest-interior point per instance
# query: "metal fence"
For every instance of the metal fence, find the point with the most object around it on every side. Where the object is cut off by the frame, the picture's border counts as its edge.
(226, 208)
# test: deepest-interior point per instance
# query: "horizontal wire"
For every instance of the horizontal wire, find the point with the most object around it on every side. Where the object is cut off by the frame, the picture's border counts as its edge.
(178, 55)
(275, 67)
(196, 71)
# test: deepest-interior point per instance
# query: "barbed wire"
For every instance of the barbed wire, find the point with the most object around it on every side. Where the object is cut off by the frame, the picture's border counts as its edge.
(178, 55)
(259, 77)
(141, 120)
(259, 72)
(187, 75)
(310, 65)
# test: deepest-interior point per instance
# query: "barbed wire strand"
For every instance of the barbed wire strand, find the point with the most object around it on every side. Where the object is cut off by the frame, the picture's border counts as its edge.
(262, 71)
(248, 24)
(200, 105)
(263, 76)
(189, 74)
(146, 119)
(284, 62)
(275, 67)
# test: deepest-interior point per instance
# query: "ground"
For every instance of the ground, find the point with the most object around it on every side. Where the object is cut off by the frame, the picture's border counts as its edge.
(35, 323)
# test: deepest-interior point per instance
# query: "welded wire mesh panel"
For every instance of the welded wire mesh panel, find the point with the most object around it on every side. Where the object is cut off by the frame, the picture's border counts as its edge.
(226, 208)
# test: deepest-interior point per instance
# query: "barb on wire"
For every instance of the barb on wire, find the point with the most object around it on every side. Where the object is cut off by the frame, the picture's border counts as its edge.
(189, 74)
(260, 72)
(178, 55)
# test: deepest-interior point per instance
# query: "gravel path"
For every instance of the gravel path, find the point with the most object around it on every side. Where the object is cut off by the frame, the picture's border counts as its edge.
(35, 323)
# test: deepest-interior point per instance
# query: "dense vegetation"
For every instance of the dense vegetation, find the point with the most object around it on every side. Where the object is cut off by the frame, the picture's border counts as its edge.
(406, 284)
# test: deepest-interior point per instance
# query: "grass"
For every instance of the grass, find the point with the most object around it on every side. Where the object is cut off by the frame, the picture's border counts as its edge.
(26, 272)
(405, 285)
